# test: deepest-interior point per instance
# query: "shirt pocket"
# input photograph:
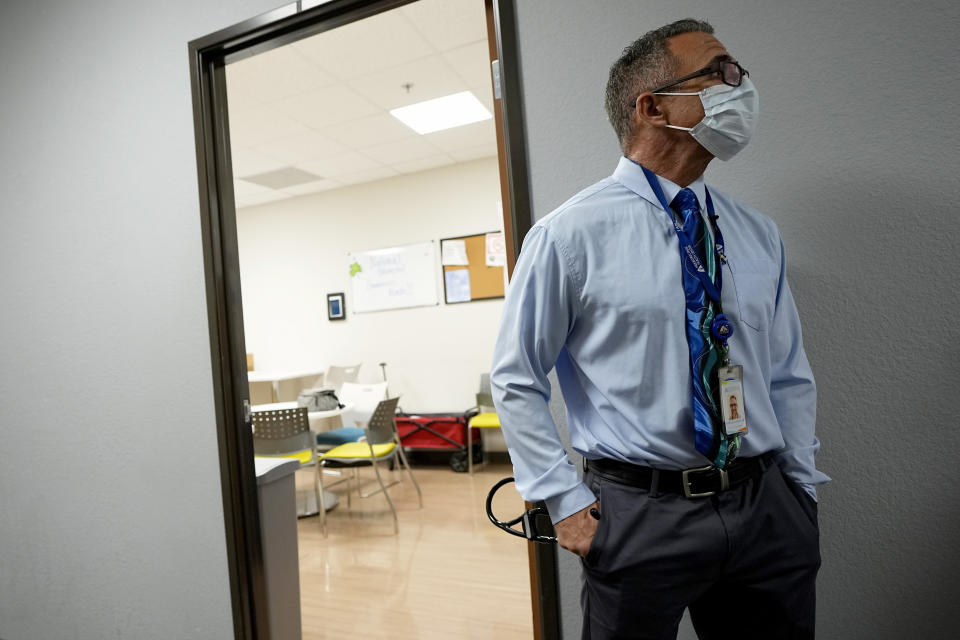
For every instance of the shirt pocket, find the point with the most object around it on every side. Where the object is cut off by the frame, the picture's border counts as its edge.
(755, 282)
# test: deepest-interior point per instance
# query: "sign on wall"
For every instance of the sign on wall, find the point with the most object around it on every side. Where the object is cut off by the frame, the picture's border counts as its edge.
(394, 278)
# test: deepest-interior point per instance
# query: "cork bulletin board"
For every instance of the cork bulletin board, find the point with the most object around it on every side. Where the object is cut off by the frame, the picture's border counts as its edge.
(479, 281)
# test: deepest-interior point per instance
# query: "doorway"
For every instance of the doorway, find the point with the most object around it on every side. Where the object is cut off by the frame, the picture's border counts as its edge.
(210, 58)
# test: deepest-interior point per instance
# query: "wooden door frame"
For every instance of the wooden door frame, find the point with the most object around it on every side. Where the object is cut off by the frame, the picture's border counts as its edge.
(208, 57)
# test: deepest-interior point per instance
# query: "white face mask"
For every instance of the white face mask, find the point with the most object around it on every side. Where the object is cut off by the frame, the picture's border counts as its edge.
(729, 120)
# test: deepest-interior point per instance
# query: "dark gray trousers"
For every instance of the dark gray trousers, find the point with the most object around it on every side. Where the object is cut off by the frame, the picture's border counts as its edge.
(744, 561)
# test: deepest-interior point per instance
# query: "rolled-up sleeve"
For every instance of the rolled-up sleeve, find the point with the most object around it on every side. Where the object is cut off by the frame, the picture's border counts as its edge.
(793, 392)
(541, 308)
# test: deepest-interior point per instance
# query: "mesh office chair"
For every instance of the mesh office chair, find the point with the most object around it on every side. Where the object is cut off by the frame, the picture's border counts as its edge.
(285, 433)
(486, 417)
(382, 445)
(363, 399)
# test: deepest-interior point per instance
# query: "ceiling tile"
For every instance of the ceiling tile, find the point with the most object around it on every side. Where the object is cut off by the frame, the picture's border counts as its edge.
(242, 188)
(327, 106)
(249, 127)
(368, 176)
(320, 105)
(241, 93)
(261, 198)
(312, 187)
(474, 153)
(428, 78)
(402, 150)
(431, 162)
(340, 165)
(369, 131)
(275, 75)
(366, 46)
(484, 94)
(448, 24)
(470, 135)
(471, 63)
(306, 146)
(247, 162)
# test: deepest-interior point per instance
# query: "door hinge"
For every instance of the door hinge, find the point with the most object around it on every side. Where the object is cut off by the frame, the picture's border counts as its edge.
(495, 69)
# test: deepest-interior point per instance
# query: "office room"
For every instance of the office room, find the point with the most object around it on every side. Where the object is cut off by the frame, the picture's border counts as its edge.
(144, 523)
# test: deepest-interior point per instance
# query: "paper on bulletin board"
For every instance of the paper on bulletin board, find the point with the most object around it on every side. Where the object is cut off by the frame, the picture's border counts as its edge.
(458, 285)
(496, 250)
(453, 253)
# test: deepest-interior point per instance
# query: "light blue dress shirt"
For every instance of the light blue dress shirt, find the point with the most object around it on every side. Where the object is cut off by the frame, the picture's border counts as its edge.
(598, 293)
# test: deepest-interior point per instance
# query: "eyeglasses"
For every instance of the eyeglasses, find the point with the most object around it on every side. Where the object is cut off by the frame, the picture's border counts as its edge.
(730, 71)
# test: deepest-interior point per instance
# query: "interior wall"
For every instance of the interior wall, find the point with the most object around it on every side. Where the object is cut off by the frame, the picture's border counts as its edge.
(294, 252)
(855, 159)
(112, 524)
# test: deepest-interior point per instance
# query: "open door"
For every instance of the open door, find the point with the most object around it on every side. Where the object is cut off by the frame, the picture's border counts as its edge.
(208, 58)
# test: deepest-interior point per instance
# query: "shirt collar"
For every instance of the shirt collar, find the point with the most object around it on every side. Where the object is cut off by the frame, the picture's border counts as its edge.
(629, 174)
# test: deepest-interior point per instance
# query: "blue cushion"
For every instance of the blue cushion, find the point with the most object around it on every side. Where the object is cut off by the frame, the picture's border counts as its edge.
(339, 436)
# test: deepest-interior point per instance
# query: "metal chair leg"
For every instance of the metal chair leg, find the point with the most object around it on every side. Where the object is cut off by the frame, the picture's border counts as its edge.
(469, 449)
(396, 520)
(321, 506)
(403, 459)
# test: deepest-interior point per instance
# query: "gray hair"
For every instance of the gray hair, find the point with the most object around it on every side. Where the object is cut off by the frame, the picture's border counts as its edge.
(645, 64)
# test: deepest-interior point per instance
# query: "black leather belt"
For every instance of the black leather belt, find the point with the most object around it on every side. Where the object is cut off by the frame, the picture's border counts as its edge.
(699, 482)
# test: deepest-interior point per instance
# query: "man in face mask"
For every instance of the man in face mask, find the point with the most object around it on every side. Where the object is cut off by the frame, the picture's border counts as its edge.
(654, 296)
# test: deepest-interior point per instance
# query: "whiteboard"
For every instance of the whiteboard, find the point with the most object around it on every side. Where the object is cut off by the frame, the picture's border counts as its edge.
(394, 278)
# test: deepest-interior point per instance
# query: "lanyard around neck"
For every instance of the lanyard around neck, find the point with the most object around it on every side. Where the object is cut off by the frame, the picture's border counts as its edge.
(687, 247)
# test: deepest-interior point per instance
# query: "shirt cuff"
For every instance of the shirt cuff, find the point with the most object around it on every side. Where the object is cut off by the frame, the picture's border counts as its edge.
(569, 502)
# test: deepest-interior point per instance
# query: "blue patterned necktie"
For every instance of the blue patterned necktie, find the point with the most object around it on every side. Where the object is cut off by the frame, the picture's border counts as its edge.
(705, 351)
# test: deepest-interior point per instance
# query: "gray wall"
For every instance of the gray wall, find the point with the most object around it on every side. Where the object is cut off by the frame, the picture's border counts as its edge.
(103, 335)
(856, 160)
(111, 523)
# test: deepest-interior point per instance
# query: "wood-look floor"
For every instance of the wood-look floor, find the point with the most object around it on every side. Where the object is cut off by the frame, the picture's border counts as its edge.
(448, 574)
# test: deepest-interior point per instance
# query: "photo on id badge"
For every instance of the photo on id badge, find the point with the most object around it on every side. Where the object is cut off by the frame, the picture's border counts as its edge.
(731, 400)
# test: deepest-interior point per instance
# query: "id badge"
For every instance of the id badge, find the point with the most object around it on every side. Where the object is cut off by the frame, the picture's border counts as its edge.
(731, 400)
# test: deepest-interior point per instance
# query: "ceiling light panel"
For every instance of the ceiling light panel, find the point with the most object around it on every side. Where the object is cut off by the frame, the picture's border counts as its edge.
(442, 113)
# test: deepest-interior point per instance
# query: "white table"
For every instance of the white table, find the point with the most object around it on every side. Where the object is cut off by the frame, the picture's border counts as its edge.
(319, 421)
(276, 377)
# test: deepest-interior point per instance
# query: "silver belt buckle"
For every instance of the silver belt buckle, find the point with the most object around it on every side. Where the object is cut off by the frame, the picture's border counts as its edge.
(724, 482)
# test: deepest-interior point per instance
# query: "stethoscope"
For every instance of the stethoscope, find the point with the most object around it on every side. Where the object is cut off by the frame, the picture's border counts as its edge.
(535, 522)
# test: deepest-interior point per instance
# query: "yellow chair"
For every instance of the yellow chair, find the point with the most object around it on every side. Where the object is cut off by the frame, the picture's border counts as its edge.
(486, 419)
(285, 433)
(382, 445)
